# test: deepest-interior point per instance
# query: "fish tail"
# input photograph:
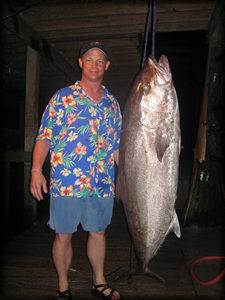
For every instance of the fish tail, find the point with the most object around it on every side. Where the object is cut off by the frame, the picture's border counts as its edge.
(137, 271)
(149, 273)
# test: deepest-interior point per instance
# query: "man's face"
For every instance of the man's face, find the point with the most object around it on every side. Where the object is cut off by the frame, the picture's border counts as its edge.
(93, 64)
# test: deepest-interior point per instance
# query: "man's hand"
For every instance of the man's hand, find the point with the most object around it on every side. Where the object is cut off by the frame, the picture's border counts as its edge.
(37, 183)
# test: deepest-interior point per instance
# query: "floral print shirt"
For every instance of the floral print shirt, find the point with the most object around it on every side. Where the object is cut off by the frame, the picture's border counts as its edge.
(83, 136)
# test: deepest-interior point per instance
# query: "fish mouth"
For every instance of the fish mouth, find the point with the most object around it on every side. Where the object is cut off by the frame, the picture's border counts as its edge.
(162, 70)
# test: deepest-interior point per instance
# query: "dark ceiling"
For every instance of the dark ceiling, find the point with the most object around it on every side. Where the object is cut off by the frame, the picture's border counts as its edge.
(65, 25)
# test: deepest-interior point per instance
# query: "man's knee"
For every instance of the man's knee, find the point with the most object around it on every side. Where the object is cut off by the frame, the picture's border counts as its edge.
(63, 238)
(97, 234)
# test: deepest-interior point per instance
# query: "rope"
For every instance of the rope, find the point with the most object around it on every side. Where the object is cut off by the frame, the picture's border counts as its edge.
(147, 30)
(153, 28)
(207, 283)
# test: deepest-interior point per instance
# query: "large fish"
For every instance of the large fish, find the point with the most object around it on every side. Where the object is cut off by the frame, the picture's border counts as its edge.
(149, 159)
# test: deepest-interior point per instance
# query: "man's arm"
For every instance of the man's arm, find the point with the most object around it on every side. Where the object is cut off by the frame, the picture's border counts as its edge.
(38, 180)
(116, 156)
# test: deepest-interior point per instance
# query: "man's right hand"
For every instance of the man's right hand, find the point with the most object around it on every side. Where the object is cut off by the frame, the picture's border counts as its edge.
(37, 183)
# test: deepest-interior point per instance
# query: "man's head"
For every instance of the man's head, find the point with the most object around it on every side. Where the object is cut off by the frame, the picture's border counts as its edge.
(94, 45)
(93, 61)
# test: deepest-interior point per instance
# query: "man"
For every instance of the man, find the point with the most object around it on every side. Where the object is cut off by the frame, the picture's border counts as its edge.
(81, 127)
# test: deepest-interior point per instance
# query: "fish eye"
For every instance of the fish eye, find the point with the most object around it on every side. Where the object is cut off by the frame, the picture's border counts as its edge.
(145, 87)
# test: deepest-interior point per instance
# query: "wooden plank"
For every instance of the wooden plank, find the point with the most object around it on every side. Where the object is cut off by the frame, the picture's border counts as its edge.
(120, 20)
(27, 34)
(52, 10)
(15, 156)
(104, 32)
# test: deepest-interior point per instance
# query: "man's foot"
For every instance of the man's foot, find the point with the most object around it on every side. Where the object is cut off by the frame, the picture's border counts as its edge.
(105, 291)
(63, 295)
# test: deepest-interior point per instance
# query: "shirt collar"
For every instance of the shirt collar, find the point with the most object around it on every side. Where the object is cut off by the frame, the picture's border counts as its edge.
(77, 85)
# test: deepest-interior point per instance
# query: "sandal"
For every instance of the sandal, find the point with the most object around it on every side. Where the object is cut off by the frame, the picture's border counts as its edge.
(63, 295)
(96, 293)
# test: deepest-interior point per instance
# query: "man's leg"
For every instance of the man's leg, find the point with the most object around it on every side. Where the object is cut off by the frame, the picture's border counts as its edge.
(96, 249)
(62, 256)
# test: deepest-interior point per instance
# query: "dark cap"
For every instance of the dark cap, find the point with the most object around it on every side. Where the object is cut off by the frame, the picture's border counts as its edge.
(94, 45)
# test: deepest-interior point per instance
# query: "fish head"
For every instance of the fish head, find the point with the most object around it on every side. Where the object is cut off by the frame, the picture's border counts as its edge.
(158, 102)
(149, 92)
(162, 71)
(155, 92)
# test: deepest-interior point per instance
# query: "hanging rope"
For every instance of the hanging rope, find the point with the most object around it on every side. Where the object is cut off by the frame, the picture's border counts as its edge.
(147, 31)
(151, 3)
(153, 28)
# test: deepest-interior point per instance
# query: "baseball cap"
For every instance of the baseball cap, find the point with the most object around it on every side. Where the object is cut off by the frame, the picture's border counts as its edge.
(94, 44)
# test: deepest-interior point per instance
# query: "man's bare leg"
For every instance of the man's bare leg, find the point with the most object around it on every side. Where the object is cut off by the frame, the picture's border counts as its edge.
(62, 256)
(96, 249)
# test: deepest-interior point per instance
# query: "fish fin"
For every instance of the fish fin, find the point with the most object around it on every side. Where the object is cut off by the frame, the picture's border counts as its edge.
(175, 225)
(161, 143)
(119, 190)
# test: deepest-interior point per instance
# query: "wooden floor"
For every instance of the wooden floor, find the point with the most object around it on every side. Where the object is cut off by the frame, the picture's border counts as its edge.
(27, 269)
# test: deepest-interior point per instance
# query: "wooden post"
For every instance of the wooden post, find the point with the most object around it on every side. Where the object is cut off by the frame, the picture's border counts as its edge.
(31, 127)
(205, 205)
(200, 147)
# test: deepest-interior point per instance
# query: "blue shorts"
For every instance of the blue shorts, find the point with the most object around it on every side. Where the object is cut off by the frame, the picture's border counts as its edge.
(93, 213)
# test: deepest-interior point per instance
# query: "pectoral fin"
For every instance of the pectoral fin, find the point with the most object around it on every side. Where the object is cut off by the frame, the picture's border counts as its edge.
(161, 142)
(175, 225)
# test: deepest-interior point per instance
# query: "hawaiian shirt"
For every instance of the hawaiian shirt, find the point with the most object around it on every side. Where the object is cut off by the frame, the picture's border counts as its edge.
(83, 136)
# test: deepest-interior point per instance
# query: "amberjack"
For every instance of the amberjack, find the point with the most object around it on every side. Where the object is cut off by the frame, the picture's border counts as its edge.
(149, 161)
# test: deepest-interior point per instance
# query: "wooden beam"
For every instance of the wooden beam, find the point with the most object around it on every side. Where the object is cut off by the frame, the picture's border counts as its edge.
(31, 127)
(216, 14)
(6, 193)
(215, 28)
(32, 98)
(28, 35)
